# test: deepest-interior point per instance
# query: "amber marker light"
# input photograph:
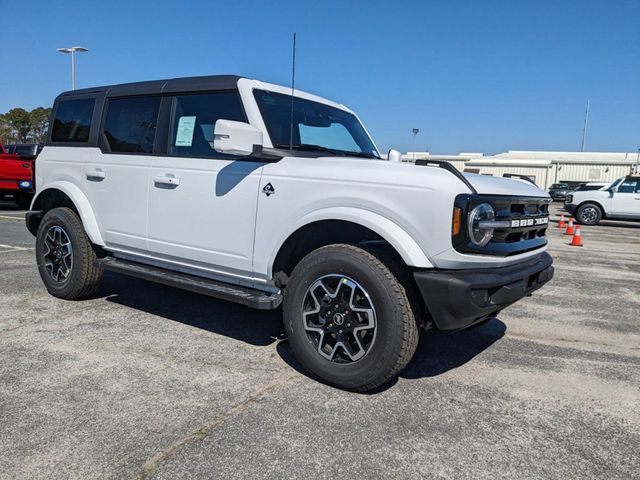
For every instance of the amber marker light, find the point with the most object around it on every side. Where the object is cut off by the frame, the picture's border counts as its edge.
(457, 221)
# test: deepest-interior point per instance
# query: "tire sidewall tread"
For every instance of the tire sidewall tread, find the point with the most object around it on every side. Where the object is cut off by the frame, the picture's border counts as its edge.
(85, 274)
(397, 330)
(582, 207)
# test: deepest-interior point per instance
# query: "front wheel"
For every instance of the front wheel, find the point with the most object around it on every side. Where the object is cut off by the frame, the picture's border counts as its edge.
(65, 256)
(348, 318)
(589, 214)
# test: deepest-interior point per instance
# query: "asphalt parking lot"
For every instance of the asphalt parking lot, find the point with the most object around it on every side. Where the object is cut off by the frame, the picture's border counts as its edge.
(144, 381)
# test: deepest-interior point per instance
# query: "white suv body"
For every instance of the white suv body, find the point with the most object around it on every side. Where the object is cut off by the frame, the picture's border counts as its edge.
(219, 180)
(620, 200)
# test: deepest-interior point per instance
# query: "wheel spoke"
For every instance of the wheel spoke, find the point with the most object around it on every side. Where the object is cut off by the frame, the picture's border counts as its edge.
(57, 254)
(340, 323)
(353, 355)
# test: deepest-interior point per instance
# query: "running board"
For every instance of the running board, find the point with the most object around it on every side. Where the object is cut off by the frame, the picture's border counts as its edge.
(224, 291)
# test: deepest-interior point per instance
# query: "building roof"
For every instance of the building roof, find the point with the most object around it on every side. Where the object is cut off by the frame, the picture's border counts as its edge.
(569, 157)
(508, 162)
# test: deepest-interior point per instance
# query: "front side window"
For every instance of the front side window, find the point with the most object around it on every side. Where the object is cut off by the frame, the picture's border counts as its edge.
(193, 120)
(316, 126)
(130, 126)
(72, 122)
(628, 186)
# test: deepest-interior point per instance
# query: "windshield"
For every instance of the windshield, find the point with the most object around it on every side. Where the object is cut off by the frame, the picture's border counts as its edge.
(24, 149)
(614, 183)
(316, 126)
(587, 187)
(559, 185)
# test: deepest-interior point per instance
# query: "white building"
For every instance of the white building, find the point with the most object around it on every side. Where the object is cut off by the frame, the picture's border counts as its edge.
(544, 168)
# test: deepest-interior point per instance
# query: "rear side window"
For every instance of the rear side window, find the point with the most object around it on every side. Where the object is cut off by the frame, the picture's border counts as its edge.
(193, 119)
(72, 122)
(130, 125)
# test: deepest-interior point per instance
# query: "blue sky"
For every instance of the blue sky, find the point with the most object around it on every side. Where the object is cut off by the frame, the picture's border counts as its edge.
(472, 75)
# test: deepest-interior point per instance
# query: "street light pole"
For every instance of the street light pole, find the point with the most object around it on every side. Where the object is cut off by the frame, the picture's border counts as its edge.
(72, 51)
(73, 69)
(584, 127)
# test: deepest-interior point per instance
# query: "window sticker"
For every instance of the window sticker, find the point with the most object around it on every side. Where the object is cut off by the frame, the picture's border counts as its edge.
(184, 135)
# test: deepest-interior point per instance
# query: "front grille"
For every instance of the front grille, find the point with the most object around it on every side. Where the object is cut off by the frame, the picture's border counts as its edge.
(522, 212)
(528, 217)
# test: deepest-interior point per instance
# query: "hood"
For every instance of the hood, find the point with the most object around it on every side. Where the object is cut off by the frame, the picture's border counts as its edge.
(488, 185)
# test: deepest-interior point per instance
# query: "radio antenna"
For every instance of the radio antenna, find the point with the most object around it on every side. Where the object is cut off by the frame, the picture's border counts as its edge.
(293, 83)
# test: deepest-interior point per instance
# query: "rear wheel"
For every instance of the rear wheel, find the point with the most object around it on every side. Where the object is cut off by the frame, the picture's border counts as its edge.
(65, 256)
(589, 214)
(348, 318)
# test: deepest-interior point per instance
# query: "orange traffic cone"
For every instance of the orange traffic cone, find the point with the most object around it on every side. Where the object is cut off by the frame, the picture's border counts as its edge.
(561, 223)
(569, 230)
(576, 241)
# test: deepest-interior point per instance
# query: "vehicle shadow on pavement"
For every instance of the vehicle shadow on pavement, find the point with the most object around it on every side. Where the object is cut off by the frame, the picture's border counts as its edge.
(216, 316)
(9, 206)
(618, 223)
(437, 353)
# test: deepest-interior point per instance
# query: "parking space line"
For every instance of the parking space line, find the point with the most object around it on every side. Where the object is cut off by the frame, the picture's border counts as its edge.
(11, 248)
(15, 219)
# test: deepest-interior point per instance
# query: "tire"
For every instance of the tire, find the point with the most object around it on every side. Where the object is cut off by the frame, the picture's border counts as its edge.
(314, 320)
(23, 200)
(588, 214)
(65, 255)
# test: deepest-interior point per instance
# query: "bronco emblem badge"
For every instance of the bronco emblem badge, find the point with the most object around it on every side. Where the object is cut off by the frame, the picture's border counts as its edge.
(268, 189)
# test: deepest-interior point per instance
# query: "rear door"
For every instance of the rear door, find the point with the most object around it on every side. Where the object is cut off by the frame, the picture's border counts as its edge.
(116, 177)
(202, 204)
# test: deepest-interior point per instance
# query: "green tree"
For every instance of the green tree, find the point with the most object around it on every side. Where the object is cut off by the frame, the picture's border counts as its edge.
(39, 123)
(19, 124)
(6, 134)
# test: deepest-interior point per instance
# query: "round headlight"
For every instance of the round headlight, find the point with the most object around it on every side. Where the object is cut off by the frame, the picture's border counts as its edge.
(480, 236)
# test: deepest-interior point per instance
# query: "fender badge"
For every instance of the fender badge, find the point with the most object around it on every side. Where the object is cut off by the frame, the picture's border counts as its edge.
(268, 189)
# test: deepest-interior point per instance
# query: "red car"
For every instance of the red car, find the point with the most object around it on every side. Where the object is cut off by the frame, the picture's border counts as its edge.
(16, 178)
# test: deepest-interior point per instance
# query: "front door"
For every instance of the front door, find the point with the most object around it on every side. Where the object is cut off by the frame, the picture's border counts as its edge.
(626, 201)
(202, 204)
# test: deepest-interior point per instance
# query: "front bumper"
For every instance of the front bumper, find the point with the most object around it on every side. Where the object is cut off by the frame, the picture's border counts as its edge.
(457, 299)
(570, 207)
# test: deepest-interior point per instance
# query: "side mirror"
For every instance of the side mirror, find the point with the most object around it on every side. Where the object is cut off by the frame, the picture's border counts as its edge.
(236, 138)
(613, 189)
(394, 156)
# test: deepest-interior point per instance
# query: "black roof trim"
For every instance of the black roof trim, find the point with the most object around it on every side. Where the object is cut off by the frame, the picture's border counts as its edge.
(171, 85)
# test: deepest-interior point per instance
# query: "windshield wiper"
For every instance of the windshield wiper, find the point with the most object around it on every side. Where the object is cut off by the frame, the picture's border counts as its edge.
(360, 154)
(309, 146)
(320, 148)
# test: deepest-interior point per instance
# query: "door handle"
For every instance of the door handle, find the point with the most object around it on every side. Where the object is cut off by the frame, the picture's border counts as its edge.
(96, 174)
(166, 180)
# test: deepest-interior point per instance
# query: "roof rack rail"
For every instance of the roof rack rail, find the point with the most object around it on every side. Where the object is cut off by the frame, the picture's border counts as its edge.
(450, 168)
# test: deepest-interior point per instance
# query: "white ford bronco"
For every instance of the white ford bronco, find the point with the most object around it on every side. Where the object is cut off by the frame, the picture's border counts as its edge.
(238, 189)
(619, 201)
